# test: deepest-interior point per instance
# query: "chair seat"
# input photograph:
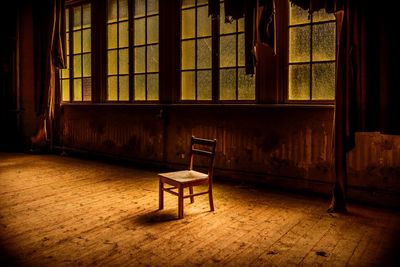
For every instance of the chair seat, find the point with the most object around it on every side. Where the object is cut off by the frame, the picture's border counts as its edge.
(186, 176)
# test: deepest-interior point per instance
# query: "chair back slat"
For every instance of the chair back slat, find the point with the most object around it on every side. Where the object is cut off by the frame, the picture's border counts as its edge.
(202, 141)
(202, 152)
(207, 149)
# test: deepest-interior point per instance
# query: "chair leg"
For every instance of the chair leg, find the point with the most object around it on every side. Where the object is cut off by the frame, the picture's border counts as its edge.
(210, 198)
(180, 202)
(161, 195)
(191, 192)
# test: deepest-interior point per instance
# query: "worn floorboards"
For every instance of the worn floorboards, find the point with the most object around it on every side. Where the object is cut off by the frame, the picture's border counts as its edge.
(64, 211)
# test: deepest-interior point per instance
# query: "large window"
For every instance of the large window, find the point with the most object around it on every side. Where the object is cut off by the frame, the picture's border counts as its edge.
(312, 51)
(199, 38)
(76, 80)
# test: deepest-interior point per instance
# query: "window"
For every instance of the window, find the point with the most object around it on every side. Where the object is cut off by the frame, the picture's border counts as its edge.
(198, 33)
(117, 50)
(76, 81)
(145, 47)
(312, 53)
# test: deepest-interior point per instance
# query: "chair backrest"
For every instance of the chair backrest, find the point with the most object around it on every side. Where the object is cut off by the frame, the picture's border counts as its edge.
(204, 148)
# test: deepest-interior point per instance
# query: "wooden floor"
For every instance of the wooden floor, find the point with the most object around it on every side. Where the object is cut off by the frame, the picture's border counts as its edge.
(63, 211)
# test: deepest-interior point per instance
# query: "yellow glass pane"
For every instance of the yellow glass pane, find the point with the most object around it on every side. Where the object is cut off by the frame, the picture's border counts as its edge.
(124, 88)
(77, 90)
(77, 45)
(203, 22)
(152, 87)
(223, 26)
(86, 16)
(112, 62)
(188, 85)
(204, 85)
(188, 3)
(140, 28)
(111, 11)
(123, 9)
(298, 15)
(112, 88)
(204, 53)
(139, 59)
(152, 58)
(188, 55)
(324, 42)
(67, 42)
(241, 24)
(140, 87)
(246, 85)
(321, 15)
(152, 29)
(65, 90)
(87, 65)
(227, 84)
(123, 34)
(112, 36)
(188, 23)
(77, 66)
(227, 50)
(140, 8)
(323, 81)
(123, 61)
(201, 2)
(67, 19)
(152, 7)
(87, 89)
(87, 40)
(299, 82)
(65, 73)
(299, 44)
(77, 18)
(241, 50)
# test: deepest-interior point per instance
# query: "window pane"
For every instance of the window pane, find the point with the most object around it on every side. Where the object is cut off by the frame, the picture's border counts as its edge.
(188, 85)
(227, 84)
(87, 66)
(65, 72)
(246, 85)
(188, 24)
(298, 15)
(123, 61)
(323, 81)
(123, 9)
(68, 39)
(188, 55)
(123, 34)
(188, 3)
(87, 40)
(203, 22)
(112, 62)
(140, 7)
(152, 58)
(67, 20)
(299, 44)
(152, 29)
(152, 7)
(65, 90)
(112, 36)
(112, 88)
(87, 89)
(223, 26)
(111, 10)
(299, 82)
(77, 90)
(204, 53)
(321, 15)
(140, 85)
(241, 54)
(201, 2)
(77, 66)
(227, 51)
(139, 32)
(204, 85)
(241, 25)
(86, 16)
(124, 88)
(77, 45)
(324, 42)
(77, 18)
(152, 87)
(140, 60)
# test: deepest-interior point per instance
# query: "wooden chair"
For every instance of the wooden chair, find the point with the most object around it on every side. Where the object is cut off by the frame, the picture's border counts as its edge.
(179, 180)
